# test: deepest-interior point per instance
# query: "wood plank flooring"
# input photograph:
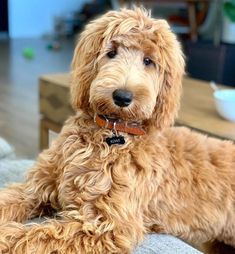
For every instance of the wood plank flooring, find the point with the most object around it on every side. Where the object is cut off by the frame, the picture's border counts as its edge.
(19, 115)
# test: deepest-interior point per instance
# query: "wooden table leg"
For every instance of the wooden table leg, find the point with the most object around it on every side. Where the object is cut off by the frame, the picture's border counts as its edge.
(44, 135)
(45, 126)
(192, 21)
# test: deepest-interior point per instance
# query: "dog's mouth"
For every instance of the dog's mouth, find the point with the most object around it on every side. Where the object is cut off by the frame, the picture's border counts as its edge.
(112, 117)
(115, 118)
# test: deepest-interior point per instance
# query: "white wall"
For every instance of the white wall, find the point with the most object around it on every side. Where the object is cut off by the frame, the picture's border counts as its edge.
(34, 18)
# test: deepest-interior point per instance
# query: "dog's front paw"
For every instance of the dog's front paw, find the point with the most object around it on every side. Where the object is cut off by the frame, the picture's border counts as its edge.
(59, 237)
(10, 234)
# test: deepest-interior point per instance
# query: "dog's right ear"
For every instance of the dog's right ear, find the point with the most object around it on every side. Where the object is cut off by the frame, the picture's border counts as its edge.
(171, 70)
(84, 62)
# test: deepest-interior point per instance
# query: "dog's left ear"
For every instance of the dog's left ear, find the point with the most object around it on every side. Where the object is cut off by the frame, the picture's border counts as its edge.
(84, 62)
(171, 70)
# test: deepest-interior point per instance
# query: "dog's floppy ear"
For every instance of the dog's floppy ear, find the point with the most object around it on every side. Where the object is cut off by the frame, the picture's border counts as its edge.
(84, 62)
(171, 70)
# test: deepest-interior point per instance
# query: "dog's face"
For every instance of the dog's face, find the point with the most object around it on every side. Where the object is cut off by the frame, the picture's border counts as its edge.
(128, 66)
(126, 84)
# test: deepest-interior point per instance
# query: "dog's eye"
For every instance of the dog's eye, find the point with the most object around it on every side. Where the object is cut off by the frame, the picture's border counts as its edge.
(147, 61)
(112, 53)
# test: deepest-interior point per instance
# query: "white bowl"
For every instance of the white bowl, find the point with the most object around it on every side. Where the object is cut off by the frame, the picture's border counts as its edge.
(225, 103)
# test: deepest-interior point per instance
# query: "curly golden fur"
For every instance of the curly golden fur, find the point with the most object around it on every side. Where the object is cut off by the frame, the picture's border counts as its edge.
(169, 180)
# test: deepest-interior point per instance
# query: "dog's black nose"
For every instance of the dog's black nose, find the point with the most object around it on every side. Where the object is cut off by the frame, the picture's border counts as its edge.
(122, 98)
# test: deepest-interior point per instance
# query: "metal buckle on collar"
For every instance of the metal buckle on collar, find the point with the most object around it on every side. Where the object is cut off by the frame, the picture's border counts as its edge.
(106, 121)
(114, 129)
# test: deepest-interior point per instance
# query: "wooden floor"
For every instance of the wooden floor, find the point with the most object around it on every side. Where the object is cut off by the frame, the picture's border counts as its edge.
(19, 116)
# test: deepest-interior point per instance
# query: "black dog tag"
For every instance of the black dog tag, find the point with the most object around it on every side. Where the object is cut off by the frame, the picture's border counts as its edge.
(115, 140)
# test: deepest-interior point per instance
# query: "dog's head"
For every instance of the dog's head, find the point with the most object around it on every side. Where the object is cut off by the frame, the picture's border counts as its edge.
(129, 66)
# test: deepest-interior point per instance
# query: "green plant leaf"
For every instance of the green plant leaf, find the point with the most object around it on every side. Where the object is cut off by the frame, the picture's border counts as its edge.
(229, 10)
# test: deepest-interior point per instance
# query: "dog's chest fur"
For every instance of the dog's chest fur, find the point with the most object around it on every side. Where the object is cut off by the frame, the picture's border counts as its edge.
(93, 169)
(94, 172)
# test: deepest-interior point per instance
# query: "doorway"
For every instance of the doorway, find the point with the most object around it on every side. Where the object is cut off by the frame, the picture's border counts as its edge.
(4, 28)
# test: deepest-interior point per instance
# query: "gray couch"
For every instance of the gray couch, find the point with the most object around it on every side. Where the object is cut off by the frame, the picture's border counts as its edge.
(13, 170)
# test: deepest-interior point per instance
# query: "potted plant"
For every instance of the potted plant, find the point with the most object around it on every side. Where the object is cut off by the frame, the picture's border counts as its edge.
(228, 34)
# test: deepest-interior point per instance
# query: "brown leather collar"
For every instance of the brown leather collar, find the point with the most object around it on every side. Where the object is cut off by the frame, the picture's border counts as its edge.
(118, 125)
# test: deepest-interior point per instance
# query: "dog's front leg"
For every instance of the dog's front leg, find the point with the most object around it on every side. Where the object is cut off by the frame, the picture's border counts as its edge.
(15, 205)
(20, 202)
(62, 237)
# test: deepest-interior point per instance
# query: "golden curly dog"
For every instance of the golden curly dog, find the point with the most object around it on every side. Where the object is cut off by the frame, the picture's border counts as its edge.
(118, 170)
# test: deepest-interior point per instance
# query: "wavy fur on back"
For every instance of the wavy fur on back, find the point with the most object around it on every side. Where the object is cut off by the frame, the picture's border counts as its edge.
(170, 180)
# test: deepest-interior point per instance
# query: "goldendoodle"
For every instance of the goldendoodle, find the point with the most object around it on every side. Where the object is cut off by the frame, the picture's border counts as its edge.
(118, 169)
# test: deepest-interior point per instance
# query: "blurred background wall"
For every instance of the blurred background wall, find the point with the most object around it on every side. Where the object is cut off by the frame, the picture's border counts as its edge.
(34, 18)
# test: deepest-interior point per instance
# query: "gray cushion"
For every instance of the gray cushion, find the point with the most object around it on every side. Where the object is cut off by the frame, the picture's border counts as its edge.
(13, 171)
(6, 150)
(164, 244)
